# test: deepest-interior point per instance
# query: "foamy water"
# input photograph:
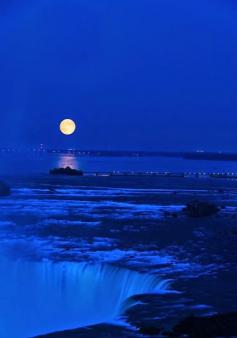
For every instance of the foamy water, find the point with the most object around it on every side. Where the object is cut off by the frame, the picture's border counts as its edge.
(96, 226)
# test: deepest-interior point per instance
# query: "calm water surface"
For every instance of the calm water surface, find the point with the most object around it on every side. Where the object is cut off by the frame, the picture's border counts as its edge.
(27, 163)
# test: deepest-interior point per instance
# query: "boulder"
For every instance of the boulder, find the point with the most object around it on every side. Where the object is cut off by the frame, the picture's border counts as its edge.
(200, 209)
(4, 189)
(66, 171)
(220, 325)
(150, 330)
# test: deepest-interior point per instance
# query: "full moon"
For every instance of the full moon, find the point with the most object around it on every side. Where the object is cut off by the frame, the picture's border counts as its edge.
(67, 127)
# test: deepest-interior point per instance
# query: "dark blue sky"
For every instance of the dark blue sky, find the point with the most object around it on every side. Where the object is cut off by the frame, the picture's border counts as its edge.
(134, 74)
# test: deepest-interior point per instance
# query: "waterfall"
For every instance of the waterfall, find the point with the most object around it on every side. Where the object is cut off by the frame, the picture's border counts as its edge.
(42, 297)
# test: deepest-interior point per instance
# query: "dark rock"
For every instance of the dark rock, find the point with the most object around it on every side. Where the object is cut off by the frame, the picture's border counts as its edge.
(96, 331)
(66, 171)
(167, 334)
(4, 189)
(200, 209)
(220, 325)
(150, 330)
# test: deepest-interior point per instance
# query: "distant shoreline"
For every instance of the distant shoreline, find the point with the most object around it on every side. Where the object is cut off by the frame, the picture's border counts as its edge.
(199, 155)
(228, 175)
(195, 155)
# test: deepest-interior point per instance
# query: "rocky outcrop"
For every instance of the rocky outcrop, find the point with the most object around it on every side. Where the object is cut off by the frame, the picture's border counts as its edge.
(66, 171)
(150, 330)
(200, 209)
(96, 331)
(220, 325)
(4, 189)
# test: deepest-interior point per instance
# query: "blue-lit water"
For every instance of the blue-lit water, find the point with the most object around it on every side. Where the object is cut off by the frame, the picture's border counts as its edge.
(41, 163)
(86, 223)
(41, 297)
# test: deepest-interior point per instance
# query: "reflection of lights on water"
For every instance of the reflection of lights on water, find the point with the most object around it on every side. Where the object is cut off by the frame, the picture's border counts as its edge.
(68, 161)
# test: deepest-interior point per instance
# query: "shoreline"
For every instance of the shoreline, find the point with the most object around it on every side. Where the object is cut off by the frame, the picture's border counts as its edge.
(228, 175)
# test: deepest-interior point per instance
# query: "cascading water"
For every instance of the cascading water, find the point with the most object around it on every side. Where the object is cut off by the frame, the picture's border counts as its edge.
(41, 297)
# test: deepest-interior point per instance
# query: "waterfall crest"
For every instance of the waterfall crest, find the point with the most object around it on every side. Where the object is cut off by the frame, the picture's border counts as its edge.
(41, 297)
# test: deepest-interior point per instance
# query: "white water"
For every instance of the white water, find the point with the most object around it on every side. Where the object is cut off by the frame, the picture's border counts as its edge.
(42, 297)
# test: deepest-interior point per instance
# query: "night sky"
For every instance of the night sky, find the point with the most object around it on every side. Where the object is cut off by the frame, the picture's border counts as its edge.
(134, 74)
